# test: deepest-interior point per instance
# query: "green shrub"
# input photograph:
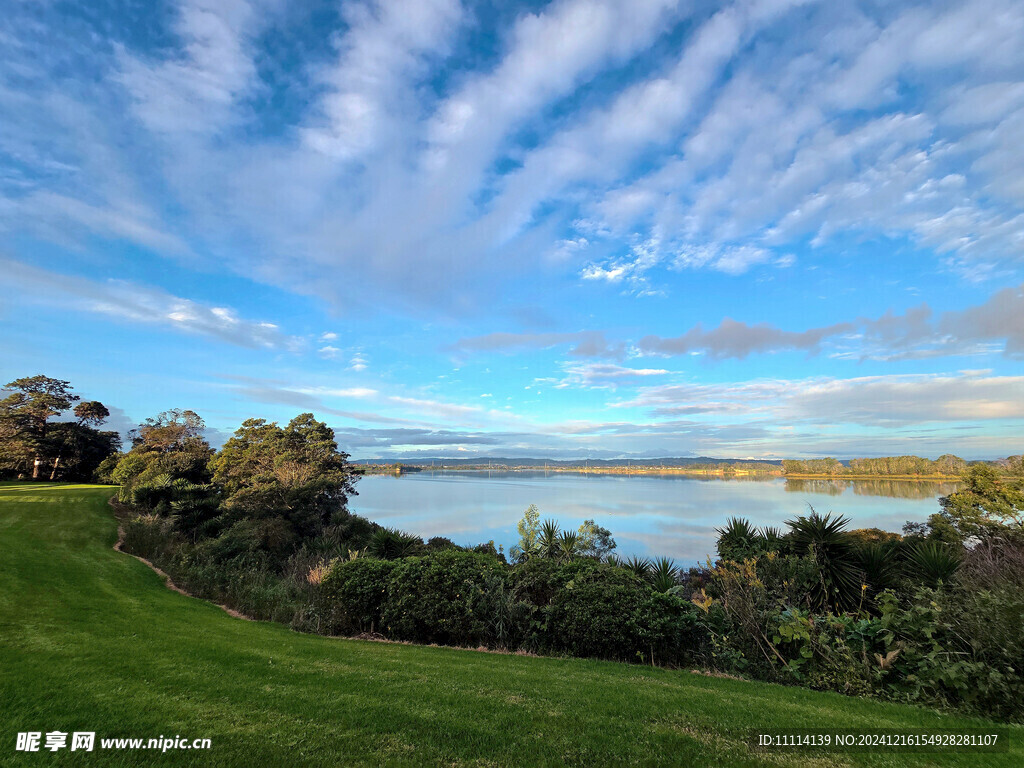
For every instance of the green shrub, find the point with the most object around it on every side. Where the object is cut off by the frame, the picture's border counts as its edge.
(252, 539)
(608, 612)
(148, 536)
(443, 598)
(990, 625)
(538, 579)
(354, 593)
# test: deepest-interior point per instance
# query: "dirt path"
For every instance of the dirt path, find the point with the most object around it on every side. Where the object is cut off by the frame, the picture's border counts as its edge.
(168, 582)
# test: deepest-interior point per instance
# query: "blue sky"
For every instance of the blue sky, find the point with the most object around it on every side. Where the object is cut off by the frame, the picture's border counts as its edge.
(581, 228)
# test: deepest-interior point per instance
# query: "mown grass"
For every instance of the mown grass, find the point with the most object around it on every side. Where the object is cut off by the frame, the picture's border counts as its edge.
(92, 640)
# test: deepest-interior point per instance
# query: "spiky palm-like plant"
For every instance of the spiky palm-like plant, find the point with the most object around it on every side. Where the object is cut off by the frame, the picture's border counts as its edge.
(663, 574)
(879, 565)
(641, 566)
(548, 539)
(568, 545)
(737, 540)
(392, 544)
(825, 541)
(934, 562)
(771, 539)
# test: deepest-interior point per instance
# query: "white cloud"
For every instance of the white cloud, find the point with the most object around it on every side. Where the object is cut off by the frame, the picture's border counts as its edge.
(867, 401)
(674, 134)
(383, 54)
(196, 91)
(145, 304)
(604, 375)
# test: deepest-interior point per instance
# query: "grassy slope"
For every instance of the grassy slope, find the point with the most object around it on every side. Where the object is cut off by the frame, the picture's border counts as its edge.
(90, 639)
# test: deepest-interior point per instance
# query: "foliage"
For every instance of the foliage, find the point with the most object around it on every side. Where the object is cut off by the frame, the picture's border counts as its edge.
(639, 566)
(354, 592)
(529, 535)
(740, 628)
(295, 473)
(663, 574)
(440, 542)
(879, 567)
(891, 466)
(442, 598)
(30, 445)
(827, 466)
(169, 445)
(393, 544)
(568, 545)
(548, 540)
(933, 562)
(609, 613)
(537, 581)
(76, 451)
(988, 505)
(824, 540)
(595, 541)
(737, 540)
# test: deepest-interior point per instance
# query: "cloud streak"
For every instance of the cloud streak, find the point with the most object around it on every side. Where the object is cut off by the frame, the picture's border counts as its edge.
(128, 302)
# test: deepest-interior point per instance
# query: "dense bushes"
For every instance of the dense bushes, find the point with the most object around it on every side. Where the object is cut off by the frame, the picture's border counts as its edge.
(608, 612)
(443, 598)
(354, 594)
(580, 607)
(921, 618)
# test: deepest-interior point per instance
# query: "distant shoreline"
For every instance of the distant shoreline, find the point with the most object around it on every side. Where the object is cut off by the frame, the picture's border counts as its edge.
(726, 472)
(627, 470)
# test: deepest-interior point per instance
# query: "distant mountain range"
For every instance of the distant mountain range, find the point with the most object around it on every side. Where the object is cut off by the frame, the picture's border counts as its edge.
(533, 462)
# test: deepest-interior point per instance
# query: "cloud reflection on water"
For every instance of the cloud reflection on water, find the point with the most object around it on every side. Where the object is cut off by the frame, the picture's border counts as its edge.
(648, 515)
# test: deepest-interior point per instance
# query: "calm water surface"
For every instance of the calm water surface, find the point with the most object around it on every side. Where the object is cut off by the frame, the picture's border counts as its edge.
(648, 515)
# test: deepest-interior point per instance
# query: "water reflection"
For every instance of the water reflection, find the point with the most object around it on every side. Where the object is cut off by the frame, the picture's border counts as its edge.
(673, 515)
(894, 489)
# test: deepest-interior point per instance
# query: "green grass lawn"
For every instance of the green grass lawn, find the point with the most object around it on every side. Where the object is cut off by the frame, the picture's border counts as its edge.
(92, 640)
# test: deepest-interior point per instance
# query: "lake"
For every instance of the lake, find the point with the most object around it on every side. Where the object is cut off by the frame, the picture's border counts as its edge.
(672, 515)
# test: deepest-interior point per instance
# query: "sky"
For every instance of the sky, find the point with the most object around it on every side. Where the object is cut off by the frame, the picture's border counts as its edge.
(583, 228)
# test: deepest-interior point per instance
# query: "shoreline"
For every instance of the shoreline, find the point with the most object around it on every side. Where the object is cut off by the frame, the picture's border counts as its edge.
(723, 473)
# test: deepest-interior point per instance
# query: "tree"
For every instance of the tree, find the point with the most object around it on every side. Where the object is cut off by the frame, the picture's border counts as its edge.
(987, 505)
(948, 464)
(24, 419)
(547, 542)
(91, 413)
(568, 545)
(172, 430)
(165, 448)
(79, 450)
(1015, 466)
(85, 445)
(296, 473)
(595, 541)
(529, 535)
(738, 540)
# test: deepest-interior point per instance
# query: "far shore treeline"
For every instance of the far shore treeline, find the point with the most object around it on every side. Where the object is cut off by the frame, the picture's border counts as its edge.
(932, 615)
